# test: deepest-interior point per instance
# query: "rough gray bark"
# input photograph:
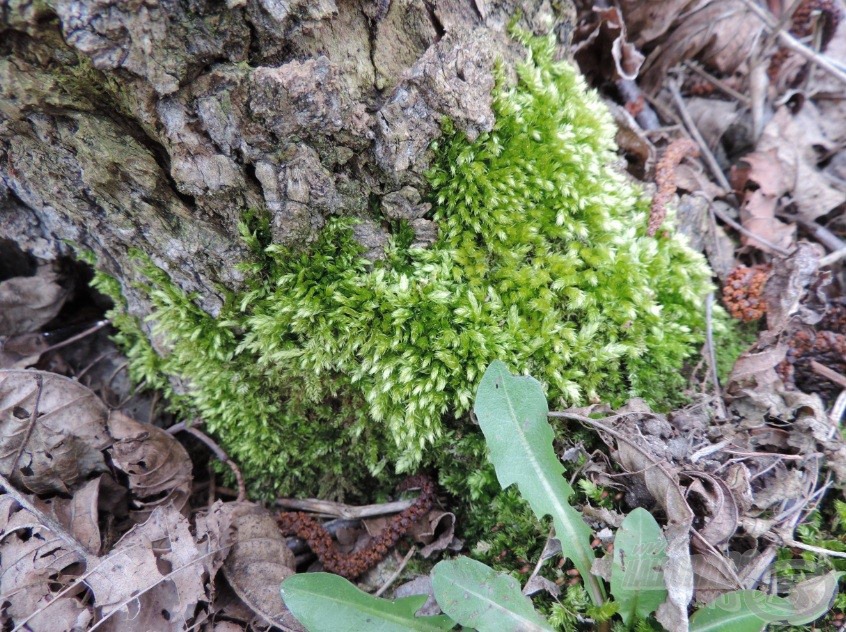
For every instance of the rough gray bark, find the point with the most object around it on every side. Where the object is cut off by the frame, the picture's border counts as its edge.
(154, 124)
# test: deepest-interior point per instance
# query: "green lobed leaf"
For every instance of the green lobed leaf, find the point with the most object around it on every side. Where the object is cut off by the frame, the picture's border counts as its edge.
(322, 601)
(512, 412)
(637, 577)
(741, 611)
(478, 597)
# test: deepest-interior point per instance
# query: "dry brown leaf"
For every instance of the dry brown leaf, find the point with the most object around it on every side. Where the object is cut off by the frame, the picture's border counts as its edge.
(603, 51)
(258, 562)
(420, 586)
(29, 303)
(722, 34)
(154, 578)
(79, 515)
(760, 182)
(714, 575)
(786, 287)
(798, 142)
(61, 445)
(713, 118)
(435, 531)
(21, 351)
(158, 467)
(35, 569)
(660, 478)
(719, 508)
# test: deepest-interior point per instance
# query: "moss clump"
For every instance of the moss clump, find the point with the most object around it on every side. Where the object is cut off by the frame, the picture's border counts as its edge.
(326, 367)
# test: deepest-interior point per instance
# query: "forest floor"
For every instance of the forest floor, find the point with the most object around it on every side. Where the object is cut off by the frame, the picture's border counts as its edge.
(733, 114)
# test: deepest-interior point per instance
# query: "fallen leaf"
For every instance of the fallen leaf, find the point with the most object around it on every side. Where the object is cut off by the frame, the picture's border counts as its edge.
(722, 34)
(29, 303)
(158, 467)
(52, 431)
(258, 562)
(36, 567)
(799, 143)
(154, 578)
(21, 351)
(760, 182)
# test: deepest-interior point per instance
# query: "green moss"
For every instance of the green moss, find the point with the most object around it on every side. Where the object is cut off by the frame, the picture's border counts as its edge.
(327, 369)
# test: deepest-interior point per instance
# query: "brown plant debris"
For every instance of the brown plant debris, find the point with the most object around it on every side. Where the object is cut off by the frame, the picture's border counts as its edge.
(825, 347)
(352, 565)
(665, 178)
(804, 21)
(743, 292)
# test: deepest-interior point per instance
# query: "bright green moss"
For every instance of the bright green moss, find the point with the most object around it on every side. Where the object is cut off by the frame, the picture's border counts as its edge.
(327, 367)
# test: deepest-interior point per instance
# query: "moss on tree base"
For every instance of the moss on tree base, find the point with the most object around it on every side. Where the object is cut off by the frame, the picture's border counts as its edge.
(328, 369)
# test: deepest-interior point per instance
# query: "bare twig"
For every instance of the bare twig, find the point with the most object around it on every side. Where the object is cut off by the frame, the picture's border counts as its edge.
(741, 229)
(734, 94)
(33, 417)
(64, 343)
(788, 541)
(709, 449)
(788, 41)
(838, 409)
(712, 354)
(221, 456)
(822, 235)
(833, 257)
(340, 510)
(827, 373)
(707, 155)
(397, 572)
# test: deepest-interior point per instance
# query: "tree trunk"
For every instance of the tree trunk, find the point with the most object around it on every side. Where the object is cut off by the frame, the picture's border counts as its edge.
(155, 125)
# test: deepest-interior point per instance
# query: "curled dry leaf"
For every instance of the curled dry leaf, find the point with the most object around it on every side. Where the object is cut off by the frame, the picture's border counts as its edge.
(603, 51)
(760, 182)
(258, 562)
(435, 530)
(154, 578)
(36, 567)
(158, 467)
(29, 303)
(52, 431)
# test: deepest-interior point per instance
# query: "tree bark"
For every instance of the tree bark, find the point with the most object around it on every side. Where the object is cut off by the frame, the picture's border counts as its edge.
(155, 124)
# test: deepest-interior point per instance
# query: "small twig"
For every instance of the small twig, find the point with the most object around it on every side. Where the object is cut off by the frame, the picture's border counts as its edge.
(340, 510)
(822, 235)
(709, 449)
(712, 354)
(734, 94)
(827, 373)
(33, 417)
(838, 409)
(221, 456)
(833, 257)
(809, 547)
(707, 155)
(64, 343)
(397, 572)
(788, 41)
(741, 229)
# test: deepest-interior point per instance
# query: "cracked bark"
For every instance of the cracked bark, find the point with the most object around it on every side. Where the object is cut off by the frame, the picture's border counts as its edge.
(156, 124)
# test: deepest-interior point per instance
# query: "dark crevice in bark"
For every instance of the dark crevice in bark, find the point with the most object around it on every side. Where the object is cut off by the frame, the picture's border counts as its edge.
(440, 31)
